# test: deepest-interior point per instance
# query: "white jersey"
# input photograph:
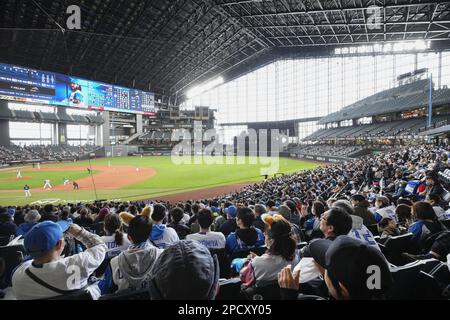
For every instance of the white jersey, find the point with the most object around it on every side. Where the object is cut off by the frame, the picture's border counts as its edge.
(165, 237)
(211, 239)
(58, 274)
(359, 231)
(387, 212)
(113, 248)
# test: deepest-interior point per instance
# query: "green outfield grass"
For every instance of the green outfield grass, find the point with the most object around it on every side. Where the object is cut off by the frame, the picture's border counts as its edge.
(170, 178)
(8, 179)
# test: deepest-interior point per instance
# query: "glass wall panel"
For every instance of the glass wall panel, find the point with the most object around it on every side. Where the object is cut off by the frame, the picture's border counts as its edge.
(314, 87)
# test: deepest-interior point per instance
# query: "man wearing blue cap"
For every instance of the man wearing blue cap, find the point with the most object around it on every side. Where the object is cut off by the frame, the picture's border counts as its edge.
(229, 225)
(49, 274)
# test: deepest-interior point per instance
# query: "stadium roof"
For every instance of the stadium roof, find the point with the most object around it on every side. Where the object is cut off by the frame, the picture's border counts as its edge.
(402, 98)
(168, 46)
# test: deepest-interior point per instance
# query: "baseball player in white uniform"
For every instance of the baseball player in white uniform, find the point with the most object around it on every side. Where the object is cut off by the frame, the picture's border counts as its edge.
(18, 174)
(47, 184)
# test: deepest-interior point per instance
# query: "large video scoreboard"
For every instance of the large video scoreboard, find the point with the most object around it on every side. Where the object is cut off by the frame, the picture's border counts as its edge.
(35, 86)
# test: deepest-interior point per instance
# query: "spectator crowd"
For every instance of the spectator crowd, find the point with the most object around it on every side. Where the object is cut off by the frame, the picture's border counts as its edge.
(14, 154)
(312, 233)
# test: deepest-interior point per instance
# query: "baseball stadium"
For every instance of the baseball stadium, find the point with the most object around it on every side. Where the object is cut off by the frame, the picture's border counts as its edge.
(225, 150)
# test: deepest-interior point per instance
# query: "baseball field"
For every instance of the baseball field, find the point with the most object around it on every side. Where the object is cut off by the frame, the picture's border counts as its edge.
(135, 178)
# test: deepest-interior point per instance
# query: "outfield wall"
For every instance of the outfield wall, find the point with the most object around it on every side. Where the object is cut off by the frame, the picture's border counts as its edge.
(120, 151)
(318, 158)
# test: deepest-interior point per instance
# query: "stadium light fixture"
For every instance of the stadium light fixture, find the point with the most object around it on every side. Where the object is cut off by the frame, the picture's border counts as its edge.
(204, 87)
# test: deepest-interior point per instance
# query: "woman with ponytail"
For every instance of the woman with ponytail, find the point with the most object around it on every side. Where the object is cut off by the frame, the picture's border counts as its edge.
(281, 249)
(116, 240)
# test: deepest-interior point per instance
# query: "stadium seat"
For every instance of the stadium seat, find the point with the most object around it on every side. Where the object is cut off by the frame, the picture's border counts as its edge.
(374, 229)
(269, 290)
(413, 282)
(380, 240)
(224, 263)
(4, 241)
(301, 245)
(130, 294)
(445, 196)
(309, 297)
(446, 223)
(244, 253)
(82, 294)
(395, 246)
(438, 270)
(229, 290)
(10, 258)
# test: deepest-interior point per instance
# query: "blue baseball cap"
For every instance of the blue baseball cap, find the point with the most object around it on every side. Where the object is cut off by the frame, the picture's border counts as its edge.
(231, 211)
(44, 236)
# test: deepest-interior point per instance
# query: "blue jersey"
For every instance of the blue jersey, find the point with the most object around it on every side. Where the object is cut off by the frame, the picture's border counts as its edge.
(235, 244)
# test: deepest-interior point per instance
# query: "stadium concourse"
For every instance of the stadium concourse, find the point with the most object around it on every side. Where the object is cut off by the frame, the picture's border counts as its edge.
(347, 102)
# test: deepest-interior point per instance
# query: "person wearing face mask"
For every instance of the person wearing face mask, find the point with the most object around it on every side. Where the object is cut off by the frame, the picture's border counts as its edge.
(281, 244)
